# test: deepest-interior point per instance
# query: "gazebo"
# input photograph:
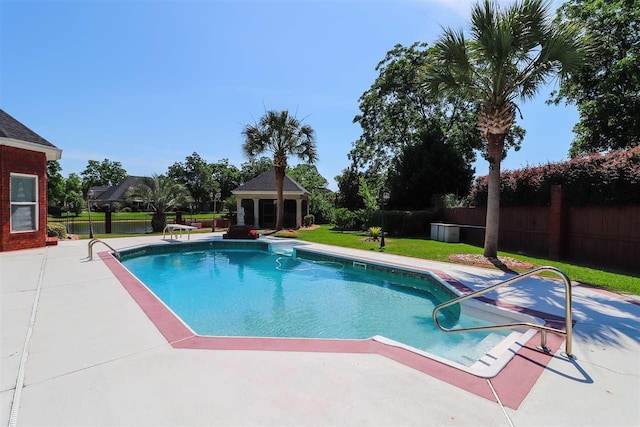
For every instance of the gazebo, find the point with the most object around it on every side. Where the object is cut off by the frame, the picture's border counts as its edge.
(256, 202)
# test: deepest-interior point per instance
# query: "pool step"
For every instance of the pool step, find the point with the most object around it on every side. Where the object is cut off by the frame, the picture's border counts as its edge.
(484, 347)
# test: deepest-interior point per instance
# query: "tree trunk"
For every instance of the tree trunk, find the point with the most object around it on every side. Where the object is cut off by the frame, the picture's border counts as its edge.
(495, 147)
(280, 172)
(158, 221)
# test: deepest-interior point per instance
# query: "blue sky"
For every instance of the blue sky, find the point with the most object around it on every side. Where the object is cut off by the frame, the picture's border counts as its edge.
(147, 83)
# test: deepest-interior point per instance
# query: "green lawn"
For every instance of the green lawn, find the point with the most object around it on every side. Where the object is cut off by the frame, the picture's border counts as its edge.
(439, 251)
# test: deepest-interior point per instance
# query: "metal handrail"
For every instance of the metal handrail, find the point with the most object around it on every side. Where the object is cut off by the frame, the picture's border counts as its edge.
(94, 241)
(568, 332)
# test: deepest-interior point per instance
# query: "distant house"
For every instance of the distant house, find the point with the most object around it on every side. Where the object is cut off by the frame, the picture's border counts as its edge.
(23, 185)
(258, 198)
(104, 197)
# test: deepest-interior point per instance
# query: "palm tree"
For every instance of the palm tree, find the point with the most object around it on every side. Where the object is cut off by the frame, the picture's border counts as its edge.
(283, 135)
(510, 54)
(160, 193)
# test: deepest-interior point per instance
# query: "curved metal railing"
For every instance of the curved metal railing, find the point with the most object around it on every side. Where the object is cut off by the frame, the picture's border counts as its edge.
(94, 241)
(568, 332)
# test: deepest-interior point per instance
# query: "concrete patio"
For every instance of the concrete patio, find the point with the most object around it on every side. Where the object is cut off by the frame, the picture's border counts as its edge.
(95, 358)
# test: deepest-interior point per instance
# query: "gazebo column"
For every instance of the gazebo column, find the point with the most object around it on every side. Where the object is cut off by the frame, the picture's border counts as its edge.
(298, 213)
(256, 213)
(238, 210)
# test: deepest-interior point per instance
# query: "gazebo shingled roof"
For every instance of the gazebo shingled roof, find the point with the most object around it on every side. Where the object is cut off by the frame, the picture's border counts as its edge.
(267, 182)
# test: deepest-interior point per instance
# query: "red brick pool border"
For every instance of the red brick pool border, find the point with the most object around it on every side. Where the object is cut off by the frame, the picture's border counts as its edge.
(512, 384)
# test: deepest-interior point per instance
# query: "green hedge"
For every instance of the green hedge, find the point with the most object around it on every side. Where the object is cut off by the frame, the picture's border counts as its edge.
(607, 180)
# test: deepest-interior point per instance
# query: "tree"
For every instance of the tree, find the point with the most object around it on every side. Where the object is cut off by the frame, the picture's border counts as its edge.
(161, 193)
(227, 177)
(105, 173)
(320, 199)
(73, 194)
(73, 183)
(398, 107)
(197, 176)
(606, 90)
(255, 167)
(55, 183)
(349, 189)
(321, 205)
(308, 176)
(510, 54)
(283, 135)
(370, 202)
(74, 202)
(427, 167)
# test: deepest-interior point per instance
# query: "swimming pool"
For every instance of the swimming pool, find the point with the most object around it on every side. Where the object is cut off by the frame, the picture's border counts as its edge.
(256, 290)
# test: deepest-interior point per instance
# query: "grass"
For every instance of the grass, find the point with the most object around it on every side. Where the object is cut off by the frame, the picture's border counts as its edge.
(439, 251)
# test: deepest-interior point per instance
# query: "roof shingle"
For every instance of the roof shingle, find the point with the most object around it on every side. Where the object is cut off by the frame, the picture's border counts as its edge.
(11, 128)
(267, 182)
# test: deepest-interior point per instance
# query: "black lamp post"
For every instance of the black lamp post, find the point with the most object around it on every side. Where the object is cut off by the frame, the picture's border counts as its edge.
(385, 199)
(89, 196)
(216, 199)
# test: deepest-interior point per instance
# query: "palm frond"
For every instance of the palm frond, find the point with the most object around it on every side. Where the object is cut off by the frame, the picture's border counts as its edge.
(159, 192)
(283, 135)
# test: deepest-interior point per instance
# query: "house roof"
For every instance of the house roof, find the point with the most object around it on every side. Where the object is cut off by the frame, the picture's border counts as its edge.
(116, 192)
(14, 133)
(97, 191)
(266, 182)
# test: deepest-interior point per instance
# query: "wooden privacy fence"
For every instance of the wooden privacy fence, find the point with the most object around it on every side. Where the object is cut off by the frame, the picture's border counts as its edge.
(598, 236)
(521, 229)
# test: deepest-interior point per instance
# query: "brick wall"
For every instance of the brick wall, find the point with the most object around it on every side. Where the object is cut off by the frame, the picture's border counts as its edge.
(17, 160)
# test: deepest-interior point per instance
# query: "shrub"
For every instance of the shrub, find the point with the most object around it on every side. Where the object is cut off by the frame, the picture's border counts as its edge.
(406, 223)
(126, 209)
(309, 220)
(374, 232)
(363, 218)
(57, 230)
(344, 219)
(607, 180)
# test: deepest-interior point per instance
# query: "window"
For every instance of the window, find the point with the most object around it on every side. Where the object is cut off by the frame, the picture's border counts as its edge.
(24, 203)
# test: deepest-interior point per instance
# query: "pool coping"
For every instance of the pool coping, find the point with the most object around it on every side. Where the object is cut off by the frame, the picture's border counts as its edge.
(512, 383)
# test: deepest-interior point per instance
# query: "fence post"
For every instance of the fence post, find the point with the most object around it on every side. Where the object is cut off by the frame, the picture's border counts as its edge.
(107, 222)
(557, 223)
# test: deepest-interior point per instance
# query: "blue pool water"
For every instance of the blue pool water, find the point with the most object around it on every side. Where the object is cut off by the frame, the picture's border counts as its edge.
(230, 292)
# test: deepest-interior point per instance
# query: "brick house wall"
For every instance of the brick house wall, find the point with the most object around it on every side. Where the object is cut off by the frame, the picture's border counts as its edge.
(18, 160)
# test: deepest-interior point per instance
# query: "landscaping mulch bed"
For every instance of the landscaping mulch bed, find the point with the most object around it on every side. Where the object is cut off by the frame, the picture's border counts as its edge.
(313, 227)
(286, 233)
(500, 262)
